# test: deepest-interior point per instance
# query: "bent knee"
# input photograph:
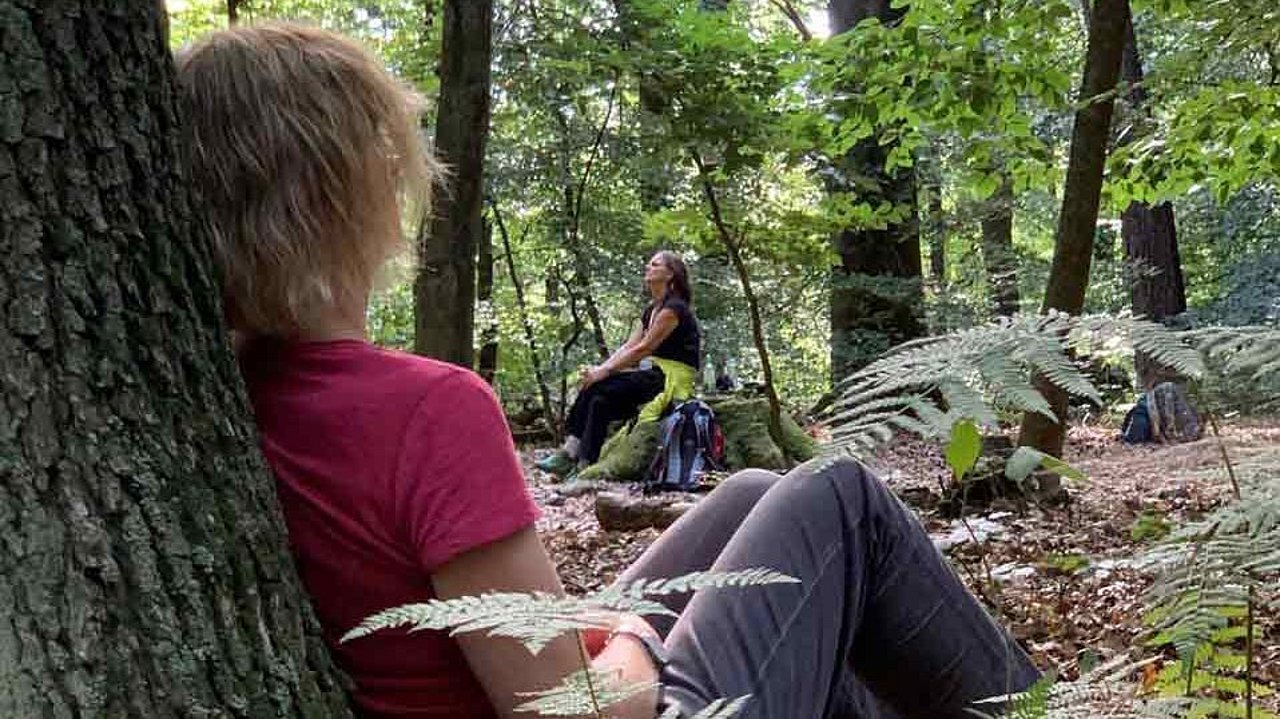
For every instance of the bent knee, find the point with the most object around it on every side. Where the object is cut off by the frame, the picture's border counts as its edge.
(843, 474)
(751, 483)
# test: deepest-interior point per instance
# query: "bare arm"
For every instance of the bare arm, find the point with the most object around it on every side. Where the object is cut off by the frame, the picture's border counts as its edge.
(519, 563)
(660, 328)
(637, 335)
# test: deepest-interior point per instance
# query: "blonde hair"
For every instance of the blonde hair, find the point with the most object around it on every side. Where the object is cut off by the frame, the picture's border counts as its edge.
(305, 150)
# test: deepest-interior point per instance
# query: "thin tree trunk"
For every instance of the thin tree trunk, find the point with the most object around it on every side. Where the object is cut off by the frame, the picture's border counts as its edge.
(794, 16)
(143, 567)
(1077, 221)
(445, 290)
(876, 294)
(526, 321)
(1156, 290)
(997, 251)
(487, 361)
(233, 12)
(574, 193)
(935, 221)
(753, 304)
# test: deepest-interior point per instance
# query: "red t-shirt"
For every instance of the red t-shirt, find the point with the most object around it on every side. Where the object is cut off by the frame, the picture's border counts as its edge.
(387, 466)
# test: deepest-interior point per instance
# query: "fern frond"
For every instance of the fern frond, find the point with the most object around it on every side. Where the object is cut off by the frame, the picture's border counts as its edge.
(1206, 570)
(718, 709)
(926, 385)
(691, 582)
(583, 693)
(537, 618)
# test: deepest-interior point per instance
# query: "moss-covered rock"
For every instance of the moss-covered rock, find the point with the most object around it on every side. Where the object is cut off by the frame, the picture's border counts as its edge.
(626, 455)
(745, 422)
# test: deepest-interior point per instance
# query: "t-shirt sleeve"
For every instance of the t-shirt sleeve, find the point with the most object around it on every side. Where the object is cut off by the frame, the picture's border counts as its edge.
(460, 485)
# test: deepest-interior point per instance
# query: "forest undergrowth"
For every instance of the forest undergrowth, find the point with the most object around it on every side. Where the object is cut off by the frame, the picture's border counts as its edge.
(1066, 582)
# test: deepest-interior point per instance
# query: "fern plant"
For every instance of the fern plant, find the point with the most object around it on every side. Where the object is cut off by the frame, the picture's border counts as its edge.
(1244, 364)
(925, 386)
(534, 619)
(1102, 692)
(1205, 597)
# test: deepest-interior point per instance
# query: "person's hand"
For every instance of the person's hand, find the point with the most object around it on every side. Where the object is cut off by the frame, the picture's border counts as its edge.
(627, 658)
(591, 375)
(595, 638)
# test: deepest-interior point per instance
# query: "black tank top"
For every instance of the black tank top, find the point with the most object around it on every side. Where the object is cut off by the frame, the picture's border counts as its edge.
(684, 344)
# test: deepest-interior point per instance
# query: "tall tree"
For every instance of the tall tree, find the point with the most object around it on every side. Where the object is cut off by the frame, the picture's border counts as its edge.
(144, 570)
(997, 250)
(1150, 236)
(445, 289)
(876, 299)
(1078, 218)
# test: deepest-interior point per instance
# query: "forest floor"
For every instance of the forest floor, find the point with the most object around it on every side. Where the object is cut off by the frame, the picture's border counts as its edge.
(1064, 579)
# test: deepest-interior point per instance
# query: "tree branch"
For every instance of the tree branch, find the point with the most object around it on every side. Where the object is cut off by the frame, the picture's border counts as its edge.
(790, 11)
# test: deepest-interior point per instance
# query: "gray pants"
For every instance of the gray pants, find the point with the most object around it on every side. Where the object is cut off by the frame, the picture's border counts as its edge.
(879, 627)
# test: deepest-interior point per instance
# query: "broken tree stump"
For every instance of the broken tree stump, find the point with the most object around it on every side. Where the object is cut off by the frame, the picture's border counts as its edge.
(1173, 419)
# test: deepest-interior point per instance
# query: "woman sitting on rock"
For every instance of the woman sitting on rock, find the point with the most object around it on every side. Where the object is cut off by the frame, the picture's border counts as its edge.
(399, 482)
(657, 365)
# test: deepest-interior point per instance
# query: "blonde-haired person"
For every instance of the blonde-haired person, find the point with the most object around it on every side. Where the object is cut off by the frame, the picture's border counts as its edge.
(398, 477)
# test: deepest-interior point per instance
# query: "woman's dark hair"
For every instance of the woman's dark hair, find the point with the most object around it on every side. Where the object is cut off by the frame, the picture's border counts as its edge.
(679, 284)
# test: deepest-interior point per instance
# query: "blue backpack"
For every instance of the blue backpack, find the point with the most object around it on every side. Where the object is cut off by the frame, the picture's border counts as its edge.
(1137, 423)
(690, 443)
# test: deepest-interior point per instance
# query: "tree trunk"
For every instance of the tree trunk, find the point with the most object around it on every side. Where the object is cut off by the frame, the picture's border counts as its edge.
(1150, 235)
(997, 251)
(575, 190)
(876, 293)
(143, 565)
(487, 362)
(937, 233)
(233, 12)
(1078, 219)
(445, 290)
(535, 356)
(753, 304)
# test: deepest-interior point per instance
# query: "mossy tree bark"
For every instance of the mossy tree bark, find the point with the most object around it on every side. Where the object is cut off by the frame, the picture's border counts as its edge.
(1078, 219)
(445, 289)
(143, 564)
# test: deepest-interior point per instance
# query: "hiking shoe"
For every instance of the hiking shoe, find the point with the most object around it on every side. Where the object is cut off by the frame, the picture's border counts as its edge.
(558, 463)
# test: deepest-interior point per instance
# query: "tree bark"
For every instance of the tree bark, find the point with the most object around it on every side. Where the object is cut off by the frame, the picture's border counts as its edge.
(445, 290)
(143, 564)
(233, 12)
(487, 361)
(997, 251)
(1156, 289)
(1078, 219)
(876, 294)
